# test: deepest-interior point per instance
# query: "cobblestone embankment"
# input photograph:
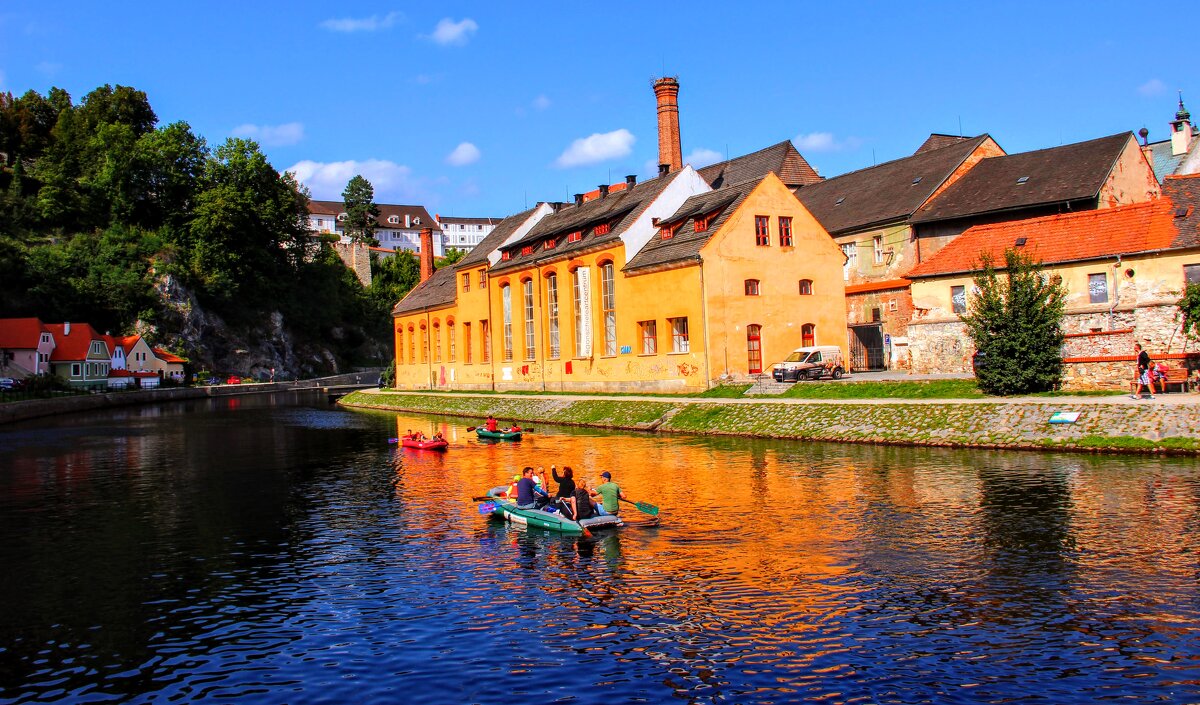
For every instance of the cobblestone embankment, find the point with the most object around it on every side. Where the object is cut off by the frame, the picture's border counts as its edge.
(1105, 424)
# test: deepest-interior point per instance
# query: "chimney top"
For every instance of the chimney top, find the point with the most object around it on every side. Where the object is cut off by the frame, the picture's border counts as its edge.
(670, 151)
(663, 169)
(631, 180)
(603, 190)
(579, 199)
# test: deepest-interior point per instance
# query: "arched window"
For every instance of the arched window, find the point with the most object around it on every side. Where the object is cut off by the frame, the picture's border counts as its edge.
(412, 345)
(808, 333)
(450, 340)
(754, 348)
(506, 300)
(608, 303)
(552, 314)
(751, 287)
(806, 287)
(400, 346)
(530, 347)
(424, 343)
(437, 341)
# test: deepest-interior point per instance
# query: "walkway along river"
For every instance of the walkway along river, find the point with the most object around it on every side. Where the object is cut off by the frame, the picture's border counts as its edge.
(1168, 424)
(278, 549)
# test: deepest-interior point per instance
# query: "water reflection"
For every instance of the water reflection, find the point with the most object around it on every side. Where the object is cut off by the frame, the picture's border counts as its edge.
(286, 551)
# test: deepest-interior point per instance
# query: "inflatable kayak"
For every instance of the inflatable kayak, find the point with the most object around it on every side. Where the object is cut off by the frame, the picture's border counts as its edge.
(498, 435)
(553, 521)
(427, 444)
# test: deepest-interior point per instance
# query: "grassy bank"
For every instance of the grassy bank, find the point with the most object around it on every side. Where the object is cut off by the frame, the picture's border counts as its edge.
(1119, 428)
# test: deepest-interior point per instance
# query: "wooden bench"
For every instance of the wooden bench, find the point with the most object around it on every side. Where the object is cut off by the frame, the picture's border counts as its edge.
(1174, 377)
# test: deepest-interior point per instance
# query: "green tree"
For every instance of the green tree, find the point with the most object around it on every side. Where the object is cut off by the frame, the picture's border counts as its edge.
(361, 210)
(391, 279)
(1015, 321)
(452, 255)
(1189, 306)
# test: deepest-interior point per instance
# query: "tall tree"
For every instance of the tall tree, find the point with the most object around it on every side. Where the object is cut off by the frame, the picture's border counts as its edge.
(1015, 320)
(361, 210)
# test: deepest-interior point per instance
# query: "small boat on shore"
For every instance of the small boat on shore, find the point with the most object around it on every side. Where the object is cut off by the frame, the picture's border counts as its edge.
(553, 521)
(426, 444)
(483, 433)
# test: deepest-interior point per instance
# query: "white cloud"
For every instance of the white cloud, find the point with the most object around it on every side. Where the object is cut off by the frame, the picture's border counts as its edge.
(392, 182)
(374, 23)
(541, 102)
(824, 142)
(701, 157)
(463, 154)
(271, 135)
(597, 148)
(449, 32)
(1152, 87)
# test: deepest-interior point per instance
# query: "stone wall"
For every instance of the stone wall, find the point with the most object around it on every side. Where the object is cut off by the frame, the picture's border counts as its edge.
(939, 347)
(357, 257)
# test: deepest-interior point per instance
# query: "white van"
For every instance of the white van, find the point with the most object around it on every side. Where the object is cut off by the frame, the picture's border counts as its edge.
(812, 362)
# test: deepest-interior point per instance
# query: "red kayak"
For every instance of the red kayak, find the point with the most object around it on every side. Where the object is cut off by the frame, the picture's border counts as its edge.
(427, 444)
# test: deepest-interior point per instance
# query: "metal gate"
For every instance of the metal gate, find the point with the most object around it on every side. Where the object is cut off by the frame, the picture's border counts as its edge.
(866, 348)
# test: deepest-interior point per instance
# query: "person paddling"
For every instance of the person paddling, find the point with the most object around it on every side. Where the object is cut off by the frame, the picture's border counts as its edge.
(491, 424)
(610, 493)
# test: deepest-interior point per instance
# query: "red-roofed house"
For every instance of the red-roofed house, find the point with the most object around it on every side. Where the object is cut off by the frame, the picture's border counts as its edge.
(81, 355)
(132, 363)
(168, 365)
(25, 347)
(1124, 269)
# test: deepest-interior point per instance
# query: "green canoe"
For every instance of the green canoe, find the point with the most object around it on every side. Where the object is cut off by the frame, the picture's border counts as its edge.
(553, 521)
(498, 435)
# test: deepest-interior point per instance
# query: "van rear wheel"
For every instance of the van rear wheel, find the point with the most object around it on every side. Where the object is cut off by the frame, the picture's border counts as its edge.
(837, 373)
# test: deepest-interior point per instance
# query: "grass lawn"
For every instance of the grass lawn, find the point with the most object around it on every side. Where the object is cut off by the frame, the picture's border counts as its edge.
(933, 389)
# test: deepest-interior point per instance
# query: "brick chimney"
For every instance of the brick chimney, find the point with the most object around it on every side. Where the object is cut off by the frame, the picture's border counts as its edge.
(666, 90)
(603, 190)
(426, 253)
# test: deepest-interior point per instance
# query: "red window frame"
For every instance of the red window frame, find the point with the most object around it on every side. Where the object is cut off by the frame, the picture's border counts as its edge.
(806, 287)
(575, 236)
(762, 231)
(602, 229)
(808, 334)
(754, 348)
(527, 250)
(752, 287)
(506, 255)
(667, 231)
(785, 231)
(700, 224)
(550, 243)
(466, 281)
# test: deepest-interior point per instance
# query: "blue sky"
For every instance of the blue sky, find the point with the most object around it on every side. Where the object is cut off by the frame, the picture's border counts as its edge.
(478, 109)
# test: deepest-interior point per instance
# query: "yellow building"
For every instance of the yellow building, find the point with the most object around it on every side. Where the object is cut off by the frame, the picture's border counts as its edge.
(667, 285)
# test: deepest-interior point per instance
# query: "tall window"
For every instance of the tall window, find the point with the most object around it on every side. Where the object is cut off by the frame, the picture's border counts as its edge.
(1098, 288)
(466, 281)
(785, 230)
(506, 299)
(424, 343)
(808, 334)
(806, 287)
(485, 341)
(850, 249)
(530, 348)
(399, 346)
(578, 289)
(412, 346)
(467, 343)
(958, 299)
(450, 340)
(751, 287)
(762, 234)
(754, 348)
(877, 246)
(437, 342)
(679, 335)
(482, 278)
(608, 303)
(552, 315)
(649, 332)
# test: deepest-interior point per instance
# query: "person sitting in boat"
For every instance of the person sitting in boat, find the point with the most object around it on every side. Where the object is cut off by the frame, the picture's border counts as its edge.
(541, 496)
(438, 436)
(491, 423)
(514, 428)
(410, 435)
(566, 483)
(610, 493)
(527, 491)
(512, 488)
(579, 503)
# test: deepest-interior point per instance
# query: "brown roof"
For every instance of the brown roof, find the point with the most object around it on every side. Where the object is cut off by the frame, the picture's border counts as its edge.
(937, 141)
(467, 221)
(1184, 192)
(436, 291)
(783, 159)
(686, 243)
(385, 211)
(618, 210)
(478, 254)
(1072, 172)
(1070, 237)
(885, 192)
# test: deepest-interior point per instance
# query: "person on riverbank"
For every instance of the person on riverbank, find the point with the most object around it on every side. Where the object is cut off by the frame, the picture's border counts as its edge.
(1143, 373)
(566, 483)
(610, 493)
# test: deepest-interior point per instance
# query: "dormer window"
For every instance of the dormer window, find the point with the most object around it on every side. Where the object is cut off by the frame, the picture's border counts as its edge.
(667, 231)
(527, 250)
(506, 255)
(601, 229)
(393, 219)
(341, 216)
(1023, 179)
(700, 224)
(549, 244)
(575, 236)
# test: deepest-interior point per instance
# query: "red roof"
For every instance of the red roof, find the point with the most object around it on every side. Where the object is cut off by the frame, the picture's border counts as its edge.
(126, 341)
(878, 286)
(20, 333)
(1070, 237)
(70, 348)
(168, 357)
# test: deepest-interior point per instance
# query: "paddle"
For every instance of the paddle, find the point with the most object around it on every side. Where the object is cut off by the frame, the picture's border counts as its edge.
(487, 508)
(643, 507)
(393, 440)
(470, 428)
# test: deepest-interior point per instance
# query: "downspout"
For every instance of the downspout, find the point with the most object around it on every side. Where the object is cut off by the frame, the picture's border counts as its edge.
(488, 341)
(1115, 299)
(704, 321)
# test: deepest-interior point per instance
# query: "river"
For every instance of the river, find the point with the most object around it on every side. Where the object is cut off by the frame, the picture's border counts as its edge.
(276, 549)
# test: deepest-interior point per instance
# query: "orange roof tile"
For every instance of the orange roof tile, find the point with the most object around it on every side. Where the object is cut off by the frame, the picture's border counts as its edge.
(878, 286)
(1070, 237)
(167, 357)
(73, 347)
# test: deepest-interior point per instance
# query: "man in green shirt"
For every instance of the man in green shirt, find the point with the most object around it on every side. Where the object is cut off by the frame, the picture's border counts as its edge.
(611, 493)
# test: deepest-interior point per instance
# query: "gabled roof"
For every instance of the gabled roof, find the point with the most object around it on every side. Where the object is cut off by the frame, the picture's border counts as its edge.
(782, 159)
(1063, 174)
(685, 243)
(1184, 192)
(73, 347)
(618, 210)
(437, 290)
(1162, 160)
(1056, 239)
(443, 219)
(479, 254)
(20, 333)
(938, 140)
(126, 341)
(386, 210)
(886, 192)
(168, 357)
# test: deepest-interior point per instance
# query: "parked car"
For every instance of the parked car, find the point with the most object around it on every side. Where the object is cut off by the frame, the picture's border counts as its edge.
(811, 362)
(233, 379)
(7, 383)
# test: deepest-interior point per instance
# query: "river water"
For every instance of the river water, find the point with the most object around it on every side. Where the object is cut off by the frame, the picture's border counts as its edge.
(276, 549)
